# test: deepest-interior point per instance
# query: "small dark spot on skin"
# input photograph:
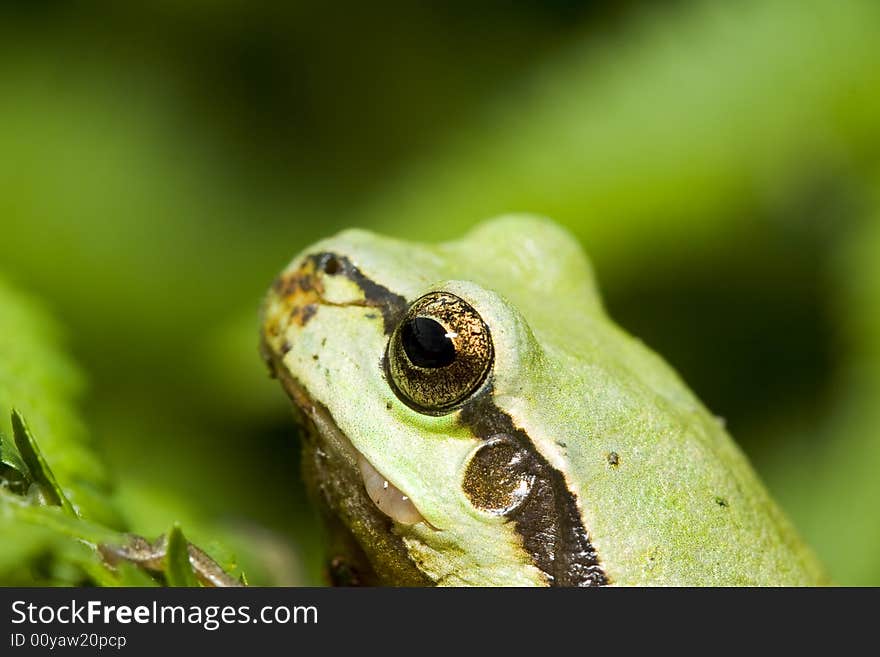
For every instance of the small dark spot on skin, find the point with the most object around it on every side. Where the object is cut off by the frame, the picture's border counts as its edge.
(720, 501)
(299, 293)
(371, 315)
(388, 406)
(287, 285)
(308, 312)
(323, 342)
(613, 459)
(561, 444)
(286, 347)
(314, 356)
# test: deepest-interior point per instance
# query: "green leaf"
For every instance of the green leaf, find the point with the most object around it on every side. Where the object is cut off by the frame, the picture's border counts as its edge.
(130, 575)
(178, 570)
(49, 546)
(20, 511)
(43, 384)
(14, 475)
(10, 457)
(37, 465)
(43, 539)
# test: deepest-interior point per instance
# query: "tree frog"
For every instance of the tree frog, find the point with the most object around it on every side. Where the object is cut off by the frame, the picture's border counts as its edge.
(472, 416)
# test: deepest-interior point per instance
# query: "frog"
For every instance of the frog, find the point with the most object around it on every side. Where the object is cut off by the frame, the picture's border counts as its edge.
(471, 415)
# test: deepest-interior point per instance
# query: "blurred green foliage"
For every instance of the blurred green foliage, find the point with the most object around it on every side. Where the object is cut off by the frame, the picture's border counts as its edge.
(161, 161)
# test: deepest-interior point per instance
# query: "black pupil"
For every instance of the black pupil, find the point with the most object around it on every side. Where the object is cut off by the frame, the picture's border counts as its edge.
(426, 344)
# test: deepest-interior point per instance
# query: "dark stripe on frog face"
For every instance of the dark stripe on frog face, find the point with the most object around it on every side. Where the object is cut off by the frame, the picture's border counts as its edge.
(547, 519)
(302, 290)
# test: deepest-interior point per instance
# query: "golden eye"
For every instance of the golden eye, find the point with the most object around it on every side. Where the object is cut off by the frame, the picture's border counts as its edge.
(439, 353)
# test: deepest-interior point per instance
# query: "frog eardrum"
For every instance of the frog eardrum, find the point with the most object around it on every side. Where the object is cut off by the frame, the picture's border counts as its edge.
(439, 354)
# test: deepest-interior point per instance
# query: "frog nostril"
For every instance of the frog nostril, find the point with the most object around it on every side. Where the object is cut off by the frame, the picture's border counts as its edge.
(331, 265)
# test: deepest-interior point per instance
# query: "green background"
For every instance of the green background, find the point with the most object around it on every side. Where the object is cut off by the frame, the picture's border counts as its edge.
(161, 161)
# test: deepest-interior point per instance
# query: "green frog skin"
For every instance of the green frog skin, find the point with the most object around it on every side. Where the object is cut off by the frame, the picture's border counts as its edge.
(472, 417)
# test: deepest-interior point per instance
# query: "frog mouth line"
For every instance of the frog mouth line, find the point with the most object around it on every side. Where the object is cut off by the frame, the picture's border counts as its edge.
(387, 497)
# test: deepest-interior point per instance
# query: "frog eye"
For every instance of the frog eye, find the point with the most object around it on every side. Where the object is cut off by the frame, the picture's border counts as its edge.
(439, 354)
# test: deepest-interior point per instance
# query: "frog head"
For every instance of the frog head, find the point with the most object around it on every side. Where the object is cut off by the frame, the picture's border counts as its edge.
(472, 416)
